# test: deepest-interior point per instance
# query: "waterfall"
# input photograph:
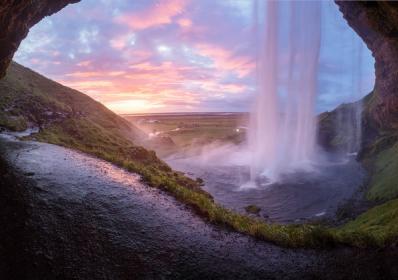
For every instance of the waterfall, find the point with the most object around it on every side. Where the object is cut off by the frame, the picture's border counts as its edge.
(282, 124)
(348, 127)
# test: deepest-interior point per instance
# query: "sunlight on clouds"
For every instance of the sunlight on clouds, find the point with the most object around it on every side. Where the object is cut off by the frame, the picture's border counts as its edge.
(153, 52)
(170, 55)
(164, 50)
(84, 63)
(225, 60)
(184, 22)
(135, 105)
(161, 13)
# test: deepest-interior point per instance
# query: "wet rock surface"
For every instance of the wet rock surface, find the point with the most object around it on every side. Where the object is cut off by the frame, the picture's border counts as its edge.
(77, 217)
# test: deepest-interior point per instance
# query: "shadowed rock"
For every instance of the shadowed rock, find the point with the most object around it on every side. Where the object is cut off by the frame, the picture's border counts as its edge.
(377, 24)
(16, 17)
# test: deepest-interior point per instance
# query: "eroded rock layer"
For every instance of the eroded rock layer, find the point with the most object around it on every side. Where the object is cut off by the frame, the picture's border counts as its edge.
(16, 17)
(377, 24)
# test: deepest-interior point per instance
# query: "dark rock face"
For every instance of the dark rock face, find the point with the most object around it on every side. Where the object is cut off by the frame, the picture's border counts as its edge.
(16, 17)
(377, 24)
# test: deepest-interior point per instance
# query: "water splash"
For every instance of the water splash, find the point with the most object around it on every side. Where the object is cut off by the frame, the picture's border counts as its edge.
(283, 127)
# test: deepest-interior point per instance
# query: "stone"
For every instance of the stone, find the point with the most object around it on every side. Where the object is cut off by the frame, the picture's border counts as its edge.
(377, 24)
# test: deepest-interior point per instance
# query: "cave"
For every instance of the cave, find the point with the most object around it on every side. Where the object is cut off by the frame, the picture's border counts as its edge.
(375, 22)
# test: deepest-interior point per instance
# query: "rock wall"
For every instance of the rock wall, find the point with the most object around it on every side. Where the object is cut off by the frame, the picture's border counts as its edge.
(16, 17)
(377, 24)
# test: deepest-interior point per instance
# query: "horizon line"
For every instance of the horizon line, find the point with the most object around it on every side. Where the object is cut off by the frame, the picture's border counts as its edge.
(164, 113)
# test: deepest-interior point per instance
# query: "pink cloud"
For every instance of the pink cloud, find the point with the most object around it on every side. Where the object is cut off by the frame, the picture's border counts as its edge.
(214, 86)
(120, 42)
(160, 14)
(84, 63)
(184, 22)
(226, 60)
(148, 85)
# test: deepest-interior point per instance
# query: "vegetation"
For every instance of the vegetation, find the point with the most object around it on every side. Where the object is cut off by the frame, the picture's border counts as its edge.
(252, 209)
(377, 227)
(71, 119)
(384, 182)
(82, 136)
(13, 123)
(191, 132)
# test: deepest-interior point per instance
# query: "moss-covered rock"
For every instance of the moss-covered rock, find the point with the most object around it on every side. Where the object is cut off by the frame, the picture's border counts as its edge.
(13, 123)
(384, 181)
(253, 209)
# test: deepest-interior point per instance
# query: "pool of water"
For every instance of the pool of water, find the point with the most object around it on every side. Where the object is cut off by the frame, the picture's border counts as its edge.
(296, 197)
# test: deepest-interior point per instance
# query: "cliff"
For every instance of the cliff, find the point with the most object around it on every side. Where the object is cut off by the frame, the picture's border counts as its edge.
(377, 24)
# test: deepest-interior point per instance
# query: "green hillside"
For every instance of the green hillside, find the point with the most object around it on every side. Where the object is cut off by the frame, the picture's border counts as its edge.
(69, 118)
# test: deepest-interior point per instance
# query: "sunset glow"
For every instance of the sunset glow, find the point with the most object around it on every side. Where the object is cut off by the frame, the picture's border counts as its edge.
(163, 56)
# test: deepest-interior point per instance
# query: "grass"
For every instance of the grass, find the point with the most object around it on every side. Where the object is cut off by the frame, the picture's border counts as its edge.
(14, 123)
(71, 119)
(81, 136)
(377, 227)
(380, 155)
(191, 131)
(384, 182)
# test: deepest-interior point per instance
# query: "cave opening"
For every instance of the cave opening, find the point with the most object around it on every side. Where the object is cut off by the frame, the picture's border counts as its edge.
(151, 62)
(146, 58)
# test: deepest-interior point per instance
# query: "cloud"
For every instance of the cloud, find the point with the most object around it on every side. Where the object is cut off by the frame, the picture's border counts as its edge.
(122, 41)
(159, 14)
(173, 55)
(184, 22)
(226, 60)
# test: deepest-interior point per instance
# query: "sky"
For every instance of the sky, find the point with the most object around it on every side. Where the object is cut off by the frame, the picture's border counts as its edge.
(180, 55)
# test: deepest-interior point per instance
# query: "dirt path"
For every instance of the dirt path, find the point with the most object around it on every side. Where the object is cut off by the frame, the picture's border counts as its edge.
(83, 218)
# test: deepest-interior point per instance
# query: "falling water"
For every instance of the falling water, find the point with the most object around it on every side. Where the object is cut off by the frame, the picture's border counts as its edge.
(349, 117)
(282, 132)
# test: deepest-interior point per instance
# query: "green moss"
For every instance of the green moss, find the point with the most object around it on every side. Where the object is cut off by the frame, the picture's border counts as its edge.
(384, 182)
(376, 227)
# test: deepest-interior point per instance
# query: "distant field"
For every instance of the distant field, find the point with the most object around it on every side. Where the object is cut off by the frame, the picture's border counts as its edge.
(176, 132)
